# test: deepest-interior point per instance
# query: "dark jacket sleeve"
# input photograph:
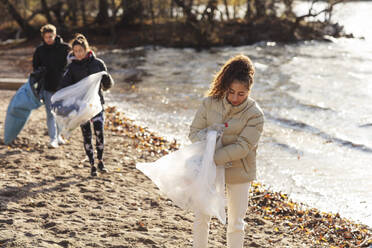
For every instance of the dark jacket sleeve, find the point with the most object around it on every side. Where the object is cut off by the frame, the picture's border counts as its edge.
(67, 79)
(107, 81)
(67, 49)
(36, 62)
(101, 64)
(66, 52)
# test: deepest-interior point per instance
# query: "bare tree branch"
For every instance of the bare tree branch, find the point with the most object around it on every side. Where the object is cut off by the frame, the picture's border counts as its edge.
(25, 26)
(45, 10)
(311, 14)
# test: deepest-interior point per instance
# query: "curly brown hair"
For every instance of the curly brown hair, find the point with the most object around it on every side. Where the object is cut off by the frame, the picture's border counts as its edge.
(238, 68)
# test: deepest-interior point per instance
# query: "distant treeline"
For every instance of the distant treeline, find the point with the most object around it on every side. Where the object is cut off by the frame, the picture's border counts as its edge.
(202, 18)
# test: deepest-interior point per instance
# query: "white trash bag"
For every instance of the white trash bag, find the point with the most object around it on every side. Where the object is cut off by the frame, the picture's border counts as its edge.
(190, 178)
(77, 103)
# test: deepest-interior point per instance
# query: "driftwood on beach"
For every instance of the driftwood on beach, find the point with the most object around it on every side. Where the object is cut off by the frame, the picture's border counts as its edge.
(11, 83)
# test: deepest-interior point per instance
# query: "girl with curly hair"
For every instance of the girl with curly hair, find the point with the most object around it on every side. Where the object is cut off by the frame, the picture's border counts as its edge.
(228, 103)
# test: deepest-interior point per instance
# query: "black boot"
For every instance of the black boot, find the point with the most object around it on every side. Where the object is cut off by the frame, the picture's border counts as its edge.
(102, 167)
(93, 171)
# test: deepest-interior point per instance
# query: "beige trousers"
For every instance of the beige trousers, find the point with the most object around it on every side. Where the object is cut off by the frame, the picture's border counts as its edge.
(237, 205)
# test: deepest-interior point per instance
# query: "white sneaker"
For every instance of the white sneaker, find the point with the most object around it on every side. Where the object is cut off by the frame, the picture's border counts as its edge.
(61, 141)
(53, 143)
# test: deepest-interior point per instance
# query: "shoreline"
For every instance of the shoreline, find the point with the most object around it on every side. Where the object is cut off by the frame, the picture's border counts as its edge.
(47, 198)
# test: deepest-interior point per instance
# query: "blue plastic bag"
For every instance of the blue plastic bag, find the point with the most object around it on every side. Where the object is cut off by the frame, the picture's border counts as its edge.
(19, 110)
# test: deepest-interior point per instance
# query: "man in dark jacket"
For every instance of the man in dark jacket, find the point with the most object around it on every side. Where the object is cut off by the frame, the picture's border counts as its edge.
(51, 54)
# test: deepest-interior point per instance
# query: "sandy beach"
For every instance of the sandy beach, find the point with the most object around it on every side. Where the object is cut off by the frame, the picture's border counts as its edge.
(48, 199)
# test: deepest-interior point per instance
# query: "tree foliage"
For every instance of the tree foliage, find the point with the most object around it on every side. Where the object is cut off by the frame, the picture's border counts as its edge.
(202, 17)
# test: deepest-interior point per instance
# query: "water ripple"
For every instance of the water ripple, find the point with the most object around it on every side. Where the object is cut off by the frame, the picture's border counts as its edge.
(300, 126)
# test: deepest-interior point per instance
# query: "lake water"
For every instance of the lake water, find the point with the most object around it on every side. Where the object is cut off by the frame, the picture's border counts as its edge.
(317, 140)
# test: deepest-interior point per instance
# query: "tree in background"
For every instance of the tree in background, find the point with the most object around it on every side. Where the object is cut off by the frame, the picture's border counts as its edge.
(132, 11)
(15, 14)
(203, 19)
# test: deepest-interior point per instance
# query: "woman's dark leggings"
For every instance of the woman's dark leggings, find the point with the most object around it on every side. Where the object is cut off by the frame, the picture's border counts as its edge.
(98, 125)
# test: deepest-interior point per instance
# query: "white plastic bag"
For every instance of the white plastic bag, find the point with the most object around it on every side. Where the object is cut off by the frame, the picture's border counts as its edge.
(190, 178)
(78, 103)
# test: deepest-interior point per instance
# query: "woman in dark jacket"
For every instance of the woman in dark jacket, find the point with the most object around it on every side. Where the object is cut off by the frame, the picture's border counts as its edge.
(85, 63)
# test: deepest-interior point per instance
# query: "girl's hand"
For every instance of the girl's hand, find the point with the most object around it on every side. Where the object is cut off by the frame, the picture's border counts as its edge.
(217, 127)
(106, 82)
(202, 134)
